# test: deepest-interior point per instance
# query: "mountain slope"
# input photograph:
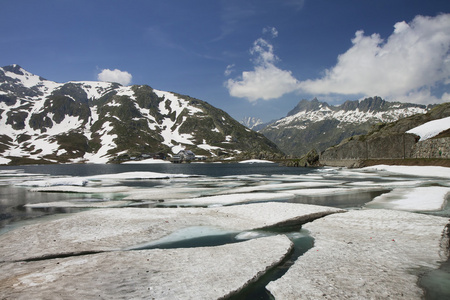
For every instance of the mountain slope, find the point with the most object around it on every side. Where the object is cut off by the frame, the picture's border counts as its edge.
(315, 124)
(43, 121)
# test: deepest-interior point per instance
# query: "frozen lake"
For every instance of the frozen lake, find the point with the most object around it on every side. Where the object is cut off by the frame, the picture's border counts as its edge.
(27, 192)
(33, 194)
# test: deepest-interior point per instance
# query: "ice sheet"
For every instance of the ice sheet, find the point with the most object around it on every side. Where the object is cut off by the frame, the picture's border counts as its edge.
(79, 204)
(230, 199)
(267, 186)
(419, 171)
(48, 182)
(83, 189)
(138, 175)
(413, 199)
(331, 191)
(365, 254)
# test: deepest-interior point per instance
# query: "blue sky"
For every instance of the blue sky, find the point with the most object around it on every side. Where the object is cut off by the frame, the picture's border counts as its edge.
(248, 57)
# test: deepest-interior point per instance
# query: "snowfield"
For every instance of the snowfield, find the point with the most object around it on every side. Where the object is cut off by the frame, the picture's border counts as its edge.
(431, 129)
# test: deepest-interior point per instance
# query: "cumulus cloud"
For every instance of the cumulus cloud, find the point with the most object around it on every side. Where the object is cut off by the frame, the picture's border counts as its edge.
(414, 59)
(266, 81)
(411, 65)
(115, 75)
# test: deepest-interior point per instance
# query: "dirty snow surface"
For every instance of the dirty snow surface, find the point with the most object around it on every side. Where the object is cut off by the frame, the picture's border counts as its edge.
(162, 233)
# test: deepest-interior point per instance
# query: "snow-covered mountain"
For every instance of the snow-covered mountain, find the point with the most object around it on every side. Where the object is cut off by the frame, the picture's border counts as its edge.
(42, 121)
(315, 124)
(251, 122)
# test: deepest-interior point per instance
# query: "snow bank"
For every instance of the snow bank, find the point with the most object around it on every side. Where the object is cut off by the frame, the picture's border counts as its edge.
(256, 161)
(413, 199)
(147, 161)
(4, 161)
(431, 129)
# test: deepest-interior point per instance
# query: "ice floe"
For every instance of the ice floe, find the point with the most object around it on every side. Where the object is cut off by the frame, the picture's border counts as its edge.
(413, 199)
(332, 191)
(419, 171)
(190, 273)
(79, 204)
(230, 199)
(82, 189)
(114, 229)
(138, 175)
(70, 181)
(365, 254)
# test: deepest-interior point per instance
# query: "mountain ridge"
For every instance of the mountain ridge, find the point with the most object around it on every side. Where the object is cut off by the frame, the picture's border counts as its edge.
(89, 121)
(314, 124)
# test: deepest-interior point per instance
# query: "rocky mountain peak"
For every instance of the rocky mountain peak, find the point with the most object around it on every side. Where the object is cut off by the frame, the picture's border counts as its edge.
(16, 69)
(307, 106)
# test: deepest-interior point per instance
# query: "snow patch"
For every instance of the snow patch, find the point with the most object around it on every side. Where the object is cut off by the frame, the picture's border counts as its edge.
(431, 129)
(256, 161)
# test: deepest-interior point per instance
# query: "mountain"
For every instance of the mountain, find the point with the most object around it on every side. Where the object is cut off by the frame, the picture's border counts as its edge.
(251, 122)
(421, 136)
(43, 121)
(318, 125)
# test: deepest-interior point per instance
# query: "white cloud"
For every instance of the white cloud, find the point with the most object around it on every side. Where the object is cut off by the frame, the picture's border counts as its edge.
(271, 30)
(411, 63)
(266, 81)
(414, 58)
(229, 70)
(115, 75)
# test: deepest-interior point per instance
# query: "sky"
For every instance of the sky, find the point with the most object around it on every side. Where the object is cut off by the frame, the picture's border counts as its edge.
(250, 58)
